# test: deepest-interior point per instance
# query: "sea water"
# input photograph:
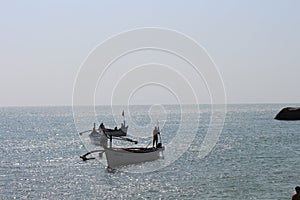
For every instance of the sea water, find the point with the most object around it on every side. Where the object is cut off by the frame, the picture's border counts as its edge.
(255, 157)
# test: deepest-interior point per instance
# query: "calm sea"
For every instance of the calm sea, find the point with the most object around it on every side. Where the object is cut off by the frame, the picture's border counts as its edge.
(256, 157)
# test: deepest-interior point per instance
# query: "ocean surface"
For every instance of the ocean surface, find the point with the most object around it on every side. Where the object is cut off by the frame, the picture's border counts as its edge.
(255, 157)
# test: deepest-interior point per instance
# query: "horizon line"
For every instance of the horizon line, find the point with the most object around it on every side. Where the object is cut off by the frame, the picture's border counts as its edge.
(85, 105)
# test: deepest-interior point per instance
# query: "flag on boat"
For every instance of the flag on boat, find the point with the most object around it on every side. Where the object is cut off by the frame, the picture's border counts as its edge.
(123, 113)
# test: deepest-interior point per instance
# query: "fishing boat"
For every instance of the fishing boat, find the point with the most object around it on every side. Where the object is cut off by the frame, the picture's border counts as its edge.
(118, 156)
(122, 131)
(96, 136)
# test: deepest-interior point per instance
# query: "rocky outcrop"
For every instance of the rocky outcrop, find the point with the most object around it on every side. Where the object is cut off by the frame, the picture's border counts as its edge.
(289, 113)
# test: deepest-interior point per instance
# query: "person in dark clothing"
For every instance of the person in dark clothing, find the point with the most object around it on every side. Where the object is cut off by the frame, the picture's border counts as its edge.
(297, 195)
(155, 136)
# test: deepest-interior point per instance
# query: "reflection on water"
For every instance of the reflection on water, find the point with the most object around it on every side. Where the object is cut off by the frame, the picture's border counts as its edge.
(254, 158)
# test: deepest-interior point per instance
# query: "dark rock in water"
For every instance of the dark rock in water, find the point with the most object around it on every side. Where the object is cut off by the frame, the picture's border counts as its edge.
(289, 113)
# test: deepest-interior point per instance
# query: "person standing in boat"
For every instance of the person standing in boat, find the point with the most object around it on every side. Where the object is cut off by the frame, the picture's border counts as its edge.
(155, 136)
(101, 126)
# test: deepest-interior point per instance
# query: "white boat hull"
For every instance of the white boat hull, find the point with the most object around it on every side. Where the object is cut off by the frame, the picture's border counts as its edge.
(124, 156)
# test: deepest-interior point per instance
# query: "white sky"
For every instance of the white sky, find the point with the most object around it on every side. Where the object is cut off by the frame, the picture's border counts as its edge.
(255, 44)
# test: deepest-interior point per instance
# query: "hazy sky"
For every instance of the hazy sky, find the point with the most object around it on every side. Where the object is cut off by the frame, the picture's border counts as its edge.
(255, 44)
